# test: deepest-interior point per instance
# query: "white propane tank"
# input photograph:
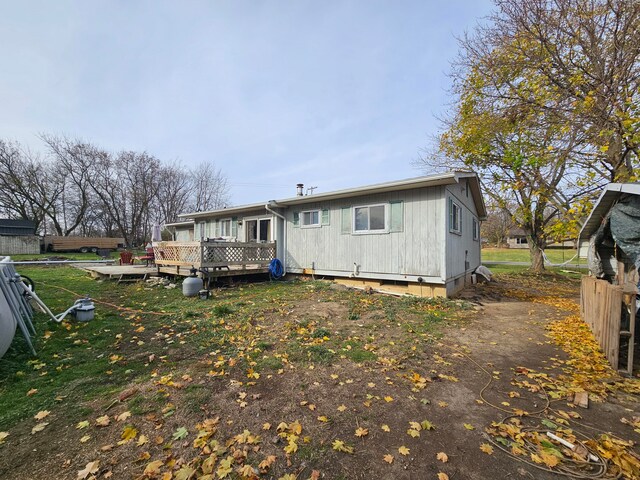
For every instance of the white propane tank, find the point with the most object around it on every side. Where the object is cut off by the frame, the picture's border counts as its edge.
(7, 326)
(192, 284)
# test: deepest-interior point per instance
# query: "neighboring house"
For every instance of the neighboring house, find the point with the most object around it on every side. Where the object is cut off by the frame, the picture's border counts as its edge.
(18, 237)
(421, 233)
(516, 238)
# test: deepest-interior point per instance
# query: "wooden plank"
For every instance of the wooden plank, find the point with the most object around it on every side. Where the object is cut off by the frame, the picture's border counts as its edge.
(632, 330)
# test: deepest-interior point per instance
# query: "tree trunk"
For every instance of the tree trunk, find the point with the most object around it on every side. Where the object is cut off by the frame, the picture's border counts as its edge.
(537, 260)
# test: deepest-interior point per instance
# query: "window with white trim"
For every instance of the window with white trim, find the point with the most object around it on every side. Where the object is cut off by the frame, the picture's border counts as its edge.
(310, 218)
(455, 217)
(370, 219)
(476, 230)
(225, 227)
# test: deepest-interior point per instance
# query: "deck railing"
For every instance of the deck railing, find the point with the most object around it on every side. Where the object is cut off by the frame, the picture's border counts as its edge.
(212, 254)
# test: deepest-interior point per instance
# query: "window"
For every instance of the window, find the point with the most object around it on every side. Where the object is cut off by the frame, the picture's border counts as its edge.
(476, 230)
(455, 217)
(370, 219)
(225, 228)
(311, 218)
(521, 241)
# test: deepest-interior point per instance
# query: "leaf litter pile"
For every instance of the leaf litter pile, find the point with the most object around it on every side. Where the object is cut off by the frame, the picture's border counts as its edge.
(285, 380)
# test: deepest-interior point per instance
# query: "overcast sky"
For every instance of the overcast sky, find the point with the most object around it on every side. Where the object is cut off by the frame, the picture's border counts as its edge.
(333, 94)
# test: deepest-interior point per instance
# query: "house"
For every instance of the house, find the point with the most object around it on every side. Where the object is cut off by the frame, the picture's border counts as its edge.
(421, 235)
(517, 238)
(610, 240)
(181, 231)
(18, 237)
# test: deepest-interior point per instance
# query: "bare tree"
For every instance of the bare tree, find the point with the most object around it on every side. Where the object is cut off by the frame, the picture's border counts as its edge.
(174, 192)
(210, 188)
(27, 184)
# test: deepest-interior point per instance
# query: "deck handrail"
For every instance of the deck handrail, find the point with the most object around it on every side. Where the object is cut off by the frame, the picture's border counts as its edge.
(213, 254)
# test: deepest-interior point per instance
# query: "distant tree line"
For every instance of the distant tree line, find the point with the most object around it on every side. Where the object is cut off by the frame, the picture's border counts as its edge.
(74, 187)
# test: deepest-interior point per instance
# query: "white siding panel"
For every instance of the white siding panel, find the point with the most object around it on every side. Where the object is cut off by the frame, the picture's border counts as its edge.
(461, 247)
(417, 250)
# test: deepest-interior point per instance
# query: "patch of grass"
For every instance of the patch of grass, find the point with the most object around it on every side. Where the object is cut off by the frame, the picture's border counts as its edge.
(222, 310)
(321, 333)
(269, 363)
(356, 352)
(320, 354)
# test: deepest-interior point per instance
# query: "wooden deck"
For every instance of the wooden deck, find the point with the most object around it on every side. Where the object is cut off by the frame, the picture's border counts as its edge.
(214, 259)
(121, 273)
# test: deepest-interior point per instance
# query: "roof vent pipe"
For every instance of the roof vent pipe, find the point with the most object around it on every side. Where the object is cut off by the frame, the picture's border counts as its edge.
(299, 189)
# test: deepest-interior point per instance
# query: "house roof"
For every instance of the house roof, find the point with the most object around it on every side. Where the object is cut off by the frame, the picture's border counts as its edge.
(607, 199)
(17, 227)
(188, 223)
(407, 184)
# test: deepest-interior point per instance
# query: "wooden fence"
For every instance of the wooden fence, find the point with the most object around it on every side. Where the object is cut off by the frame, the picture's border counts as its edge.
(601, 305)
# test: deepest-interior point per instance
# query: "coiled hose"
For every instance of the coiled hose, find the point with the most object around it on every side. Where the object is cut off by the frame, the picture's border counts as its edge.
(276, 270)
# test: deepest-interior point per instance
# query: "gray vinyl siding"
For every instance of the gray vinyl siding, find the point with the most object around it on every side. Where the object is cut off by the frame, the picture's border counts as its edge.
(461, 246)
(210, 222)
(416, 250)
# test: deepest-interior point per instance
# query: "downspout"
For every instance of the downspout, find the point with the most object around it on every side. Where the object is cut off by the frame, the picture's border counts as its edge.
(284, 240)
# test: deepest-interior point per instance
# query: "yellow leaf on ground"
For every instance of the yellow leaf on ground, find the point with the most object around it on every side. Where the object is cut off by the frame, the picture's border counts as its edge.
(128, 434)
(468, 426)
(443, 457)
(403, 450)
(361, 432)
(388, 398)
(486, 448)
(443, 476)
(413, 433)
(85, 439)
(41, 414)
(388, 458)
(385, 428)
(266, 426)
(323, 418)
(443, 404)
(3, 435)
(142, 439)
(340, 446)
(153, 468)
(33, 391)
(342, 408)
(83, 424)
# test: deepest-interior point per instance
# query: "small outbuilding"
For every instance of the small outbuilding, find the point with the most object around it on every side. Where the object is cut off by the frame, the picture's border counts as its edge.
(18, 237)
(610, 241)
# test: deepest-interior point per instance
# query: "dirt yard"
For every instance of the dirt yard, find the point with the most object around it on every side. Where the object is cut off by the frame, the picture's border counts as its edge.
(319, 382)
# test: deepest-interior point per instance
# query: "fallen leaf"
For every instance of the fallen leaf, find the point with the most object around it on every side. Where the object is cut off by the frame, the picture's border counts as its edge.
(340, 446)
(89, 469)
(33, 391)
(39, 427)
(388, 398)
(180, 433)
(385, 428)
(443, 476)
(83, 424)
(103, 421)
(388, 458)
(41, 414)
(153, 468)
(128, 434)
(342, 408)
(85, 439)
(3, 435)
(486, 448)
(123, 416)
(443, 457)
(361, 432)
(403, 450)
(142, 439)
(266, 426)
(468, 426)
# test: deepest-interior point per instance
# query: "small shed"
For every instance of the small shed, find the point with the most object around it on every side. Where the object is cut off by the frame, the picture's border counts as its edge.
(610, 241)
(18, 237)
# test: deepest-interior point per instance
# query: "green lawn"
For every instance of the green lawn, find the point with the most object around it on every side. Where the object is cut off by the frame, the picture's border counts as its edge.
(491, 254)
